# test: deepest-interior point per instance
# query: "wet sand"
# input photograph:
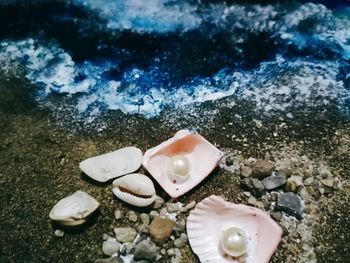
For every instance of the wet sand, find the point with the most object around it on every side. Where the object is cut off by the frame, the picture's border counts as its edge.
(40, 154)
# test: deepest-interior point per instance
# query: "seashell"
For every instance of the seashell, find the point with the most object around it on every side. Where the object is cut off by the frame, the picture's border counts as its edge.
(220, 231)
(111, 165)
(135, 189)
(181, 162)
(74, 209)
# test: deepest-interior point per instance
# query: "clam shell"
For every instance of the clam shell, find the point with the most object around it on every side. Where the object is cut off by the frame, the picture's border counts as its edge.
(203, 157)
(111, 165)
(74, 209)
(213, 215)
(135, 189)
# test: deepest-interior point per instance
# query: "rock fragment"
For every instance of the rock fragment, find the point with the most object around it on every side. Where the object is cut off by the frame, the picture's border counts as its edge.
(273, 182)
(125, 234)
(290, 204)
(109, 260)
(59, 233)
(132, 217)
(118, 214)
(146, 250)
(144, 219)
(181, 241)
(293, 183)
(158, 202)
(160, 229)
(255, 186)
(262, 169)
(246, 171)
(110, 246)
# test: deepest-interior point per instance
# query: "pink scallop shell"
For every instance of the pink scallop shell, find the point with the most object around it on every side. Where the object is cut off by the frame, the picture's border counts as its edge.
(202, 155)
(213, 215)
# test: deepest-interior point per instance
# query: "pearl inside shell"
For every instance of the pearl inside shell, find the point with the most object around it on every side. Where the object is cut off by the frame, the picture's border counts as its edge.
(234, 241)
(178, 168)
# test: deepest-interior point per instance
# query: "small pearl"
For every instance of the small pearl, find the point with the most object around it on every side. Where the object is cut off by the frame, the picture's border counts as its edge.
(234, 241)
(179, 165)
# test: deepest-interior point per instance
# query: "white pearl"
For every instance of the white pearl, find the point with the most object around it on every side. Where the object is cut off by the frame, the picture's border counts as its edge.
(179, 165)
(234, 241)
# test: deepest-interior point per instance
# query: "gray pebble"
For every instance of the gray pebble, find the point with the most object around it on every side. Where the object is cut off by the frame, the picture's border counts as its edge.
(308, 181)
(163, 212)
(59, 233)
(143, 229)
(246, 171)
(290, 203)
(125, 234)
(109, 260)
(172, 207)
(146, 249)
(276, 215)
(144, 219)
(190, 205)
(153, 214)
(254, 185)
(110, 246)
(273, 182)
(132, 217)
(181, 241)
(105, 236)
(118, 214)
(158, 203)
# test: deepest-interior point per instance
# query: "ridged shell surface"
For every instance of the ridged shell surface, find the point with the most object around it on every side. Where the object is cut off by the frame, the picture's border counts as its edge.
(74, 209)
(135, 189)
(213, 215)
(111, 165)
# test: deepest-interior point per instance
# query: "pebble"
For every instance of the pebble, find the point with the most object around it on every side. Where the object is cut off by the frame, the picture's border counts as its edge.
(246, 171)
(146, 249)
(158, 203)
(276, 215)
(118, 214)
(160, 229)
(191, 205)
(132, 217)
(180, 225)
(252, 201)
(171, 252)
(293, 183)
(153, 214)
(110, 246)
(143, 229)
(109, 260)
(262, 169)
(290, 204)
(173, 207)
(255, 186)
(125, 234)
(308, 181)
(59, 233)
(327, 182)
(181, 241)
(163, 212)
(273, 182)
(144, 219)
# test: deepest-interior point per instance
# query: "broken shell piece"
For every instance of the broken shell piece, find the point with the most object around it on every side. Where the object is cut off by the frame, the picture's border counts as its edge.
(111, 165)
(220, 231)
(74, 209)
(181, 162)
(135, 189)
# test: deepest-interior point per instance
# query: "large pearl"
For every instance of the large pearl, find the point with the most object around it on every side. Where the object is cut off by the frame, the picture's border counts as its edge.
(178, 168)
(234, 241)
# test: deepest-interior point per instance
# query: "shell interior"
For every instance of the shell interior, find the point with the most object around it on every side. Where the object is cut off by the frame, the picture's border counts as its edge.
(202, 156)
(213, 215)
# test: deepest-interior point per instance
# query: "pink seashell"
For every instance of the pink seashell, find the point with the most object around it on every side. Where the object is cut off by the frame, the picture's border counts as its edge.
(202, 157)
(213, 215)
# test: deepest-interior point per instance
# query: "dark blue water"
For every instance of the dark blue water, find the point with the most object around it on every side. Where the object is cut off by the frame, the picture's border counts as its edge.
(145, 56)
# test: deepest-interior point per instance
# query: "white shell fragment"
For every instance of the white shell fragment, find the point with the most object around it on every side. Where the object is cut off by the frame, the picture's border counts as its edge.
(74, 209)
(111, 165)
(220, 232)
(181, 162)
(135, 189)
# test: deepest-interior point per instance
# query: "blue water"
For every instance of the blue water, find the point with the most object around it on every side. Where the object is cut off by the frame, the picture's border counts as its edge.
(142, 56)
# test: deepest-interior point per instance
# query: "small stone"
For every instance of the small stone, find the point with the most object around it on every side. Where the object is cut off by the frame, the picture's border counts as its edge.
(158, 203)
(143, 229)
(105, 236)
(252, 201)
(273, 182)
(255, 186)
(118, 214)
(59, 233)
(180, 225)
(181, 241)
(291, 204)
(110, 246)
(125, 234)
(262, 169)
(163, 212)
(276, 215)
(229, 160)
(327, 182)
(144, 219)
(160, 229)
(322, 190)
(258, 124)
(109, 260)
(132, 217)
(303, 193)
(146, 249)
(173, 207)
(171, 252)
(308, 181)
(293, 183)
(246, 171)
(153, 214)
(247, 194)
(191, 205)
